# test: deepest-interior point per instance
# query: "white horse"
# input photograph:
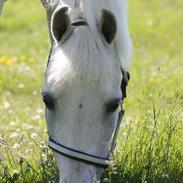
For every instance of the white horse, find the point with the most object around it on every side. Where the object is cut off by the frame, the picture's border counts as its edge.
(90, 44)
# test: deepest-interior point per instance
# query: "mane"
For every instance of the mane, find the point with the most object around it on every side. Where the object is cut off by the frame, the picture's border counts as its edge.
(92, 12)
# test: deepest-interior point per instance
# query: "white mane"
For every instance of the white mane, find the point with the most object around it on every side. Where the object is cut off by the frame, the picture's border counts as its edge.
(92, 12)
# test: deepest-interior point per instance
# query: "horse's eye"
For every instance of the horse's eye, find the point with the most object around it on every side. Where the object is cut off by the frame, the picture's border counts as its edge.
(49, 101)
(113, 105)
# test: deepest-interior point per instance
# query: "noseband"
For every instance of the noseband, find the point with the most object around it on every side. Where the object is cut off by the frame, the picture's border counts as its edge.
(80, 155)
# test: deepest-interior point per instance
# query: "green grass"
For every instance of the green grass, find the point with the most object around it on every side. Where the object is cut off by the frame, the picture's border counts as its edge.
(150, 146)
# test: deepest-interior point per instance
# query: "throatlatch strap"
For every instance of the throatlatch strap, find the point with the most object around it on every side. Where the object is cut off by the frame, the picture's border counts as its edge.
(120, 118)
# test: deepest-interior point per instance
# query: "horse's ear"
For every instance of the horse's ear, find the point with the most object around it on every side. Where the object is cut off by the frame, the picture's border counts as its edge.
(108, 25)
(60, 24)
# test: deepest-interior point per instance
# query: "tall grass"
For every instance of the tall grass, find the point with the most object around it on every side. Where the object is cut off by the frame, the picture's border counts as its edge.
(150, 146)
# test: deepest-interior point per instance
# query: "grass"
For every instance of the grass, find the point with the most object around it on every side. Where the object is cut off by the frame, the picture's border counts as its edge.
(150, 147)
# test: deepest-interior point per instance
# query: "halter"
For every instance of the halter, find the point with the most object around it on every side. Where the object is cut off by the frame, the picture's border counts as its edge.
(80, 155)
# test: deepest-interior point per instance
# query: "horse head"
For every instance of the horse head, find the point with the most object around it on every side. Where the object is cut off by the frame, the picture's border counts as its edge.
(82, 92)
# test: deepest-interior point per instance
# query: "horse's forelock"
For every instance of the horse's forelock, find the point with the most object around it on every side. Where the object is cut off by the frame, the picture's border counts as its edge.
(83, 54)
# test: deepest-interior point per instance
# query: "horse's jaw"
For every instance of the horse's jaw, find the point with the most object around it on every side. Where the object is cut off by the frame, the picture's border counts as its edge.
(72, 171)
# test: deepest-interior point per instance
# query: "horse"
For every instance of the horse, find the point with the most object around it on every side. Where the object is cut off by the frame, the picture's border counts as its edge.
(83, 87)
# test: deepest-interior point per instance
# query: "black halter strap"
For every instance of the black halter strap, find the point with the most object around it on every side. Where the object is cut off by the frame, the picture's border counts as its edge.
(124, 82)
(79, 23)
(49, 56)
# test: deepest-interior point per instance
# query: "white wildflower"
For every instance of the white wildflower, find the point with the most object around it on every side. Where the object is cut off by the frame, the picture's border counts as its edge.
(165, 175)
(36, 117)
(6, 105)
(150, 23)
(34, 93)
(34, 135)
(21, 85)
(13, 135)
(12, 123)
(16, 146)
(28, 151)
(39, 110)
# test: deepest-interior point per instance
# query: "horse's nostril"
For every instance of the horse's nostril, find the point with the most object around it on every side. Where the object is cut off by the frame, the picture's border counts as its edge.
(49, 101)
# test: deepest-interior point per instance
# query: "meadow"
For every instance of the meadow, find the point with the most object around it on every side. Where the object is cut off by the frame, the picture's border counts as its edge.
(150, 145)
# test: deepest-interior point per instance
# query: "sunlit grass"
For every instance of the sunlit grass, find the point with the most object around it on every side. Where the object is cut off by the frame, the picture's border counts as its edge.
(150, 148)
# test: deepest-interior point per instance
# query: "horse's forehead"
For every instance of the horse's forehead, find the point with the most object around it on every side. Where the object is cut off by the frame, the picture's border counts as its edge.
(64, 74)
(104, 88)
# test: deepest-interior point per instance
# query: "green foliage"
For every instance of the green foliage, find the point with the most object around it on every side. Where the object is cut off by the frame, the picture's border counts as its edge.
(16, 167)
(150, 147)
